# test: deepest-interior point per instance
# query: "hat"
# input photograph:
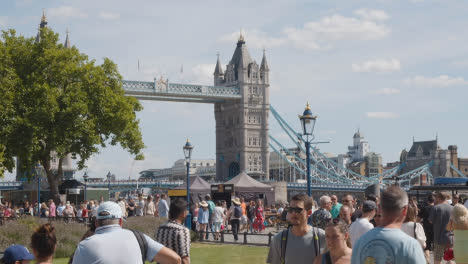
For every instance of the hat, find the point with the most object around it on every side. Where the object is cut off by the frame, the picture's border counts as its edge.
(68, 202)
(368, 206)
(112, 208)
(236, 201)
(204, 204)
(15, 253)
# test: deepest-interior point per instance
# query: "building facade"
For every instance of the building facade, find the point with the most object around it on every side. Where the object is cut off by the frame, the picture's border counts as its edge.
(242, 126)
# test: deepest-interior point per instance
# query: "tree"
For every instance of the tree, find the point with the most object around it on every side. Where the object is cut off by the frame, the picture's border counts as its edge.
(56, 99)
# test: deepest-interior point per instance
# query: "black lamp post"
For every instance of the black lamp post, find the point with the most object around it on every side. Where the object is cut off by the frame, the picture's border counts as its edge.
(308, 124)
(108, 182)
(188, 154)
(85, 178)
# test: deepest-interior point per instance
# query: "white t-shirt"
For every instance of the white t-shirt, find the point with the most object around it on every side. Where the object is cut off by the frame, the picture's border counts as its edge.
(218, 214)
(359, 228)
(409, 229)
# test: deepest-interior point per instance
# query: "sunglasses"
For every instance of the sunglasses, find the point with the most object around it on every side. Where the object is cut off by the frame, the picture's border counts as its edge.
(296, 210)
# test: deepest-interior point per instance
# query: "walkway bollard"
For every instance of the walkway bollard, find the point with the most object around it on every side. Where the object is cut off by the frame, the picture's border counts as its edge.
(222, 236)
(269, 238)
(245, 237)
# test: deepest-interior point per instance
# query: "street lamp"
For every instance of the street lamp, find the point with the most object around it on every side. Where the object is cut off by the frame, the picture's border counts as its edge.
(308, 124)
(108, 182)
(188, 154)
(38, 177)
(85, 177)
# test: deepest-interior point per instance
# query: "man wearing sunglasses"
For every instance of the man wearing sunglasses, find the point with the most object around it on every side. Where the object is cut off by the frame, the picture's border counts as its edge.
(300, 243)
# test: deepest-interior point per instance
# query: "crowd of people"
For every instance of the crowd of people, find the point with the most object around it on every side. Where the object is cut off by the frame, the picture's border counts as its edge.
(392, 228)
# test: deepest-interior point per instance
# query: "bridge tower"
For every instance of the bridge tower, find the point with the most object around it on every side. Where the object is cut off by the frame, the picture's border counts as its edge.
(242, 125)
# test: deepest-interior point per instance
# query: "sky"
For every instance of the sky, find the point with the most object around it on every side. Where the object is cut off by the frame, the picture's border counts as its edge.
(394, 69)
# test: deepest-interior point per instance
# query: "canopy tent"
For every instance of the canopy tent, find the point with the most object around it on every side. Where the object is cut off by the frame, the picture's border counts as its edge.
(249, 188)
(198, 189)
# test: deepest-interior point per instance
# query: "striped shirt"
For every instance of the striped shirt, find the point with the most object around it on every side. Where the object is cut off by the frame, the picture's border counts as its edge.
(174, 236)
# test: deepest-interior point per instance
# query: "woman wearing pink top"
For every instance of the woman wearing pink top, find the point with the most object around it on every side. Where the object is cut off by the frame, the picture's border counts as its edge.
(52, 208)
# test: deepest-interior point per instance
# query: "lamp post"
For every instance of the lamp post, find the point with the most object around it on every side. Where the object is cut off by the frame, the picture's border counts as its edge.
(188, 154)
(308, 124)
(85, 177)
(38, 176)
(108, 182)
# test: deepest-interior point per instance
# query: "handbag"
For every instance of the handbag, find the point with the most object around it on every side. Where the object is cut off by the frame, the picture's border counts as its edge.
(448, 253)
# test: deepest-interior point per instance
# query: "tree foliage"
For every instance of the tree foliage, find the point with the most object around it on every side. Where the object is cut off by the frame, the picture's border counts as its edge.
(56, 99)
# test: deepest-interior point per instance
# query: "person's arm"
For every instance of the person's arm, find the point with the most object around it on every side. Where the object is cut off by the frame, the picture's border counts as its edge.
(318, 259)
(185, 247)
(274, 254)
(167, 256)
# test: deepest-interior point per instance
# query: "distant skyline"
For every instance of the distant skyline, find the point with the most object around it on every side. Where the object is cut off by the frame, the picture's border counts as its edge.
(394, 69)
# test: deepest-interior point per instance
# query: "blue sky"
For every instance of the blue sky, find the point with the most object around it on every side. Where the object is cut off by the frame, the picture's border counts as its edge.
(395, 69)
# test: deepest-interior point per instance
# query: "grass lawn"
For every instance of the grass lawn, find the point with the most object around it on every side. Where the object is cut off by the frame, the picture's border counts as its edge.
(215, 254)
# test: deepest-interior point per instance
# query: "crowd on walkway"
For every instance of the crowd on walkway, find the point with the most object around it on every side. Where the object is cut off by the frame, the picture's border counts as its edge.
(392, 228)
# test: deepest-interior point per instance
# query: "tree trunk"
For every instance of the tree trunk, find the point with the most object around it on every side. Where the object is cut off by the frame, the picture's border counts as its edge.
(53, 181)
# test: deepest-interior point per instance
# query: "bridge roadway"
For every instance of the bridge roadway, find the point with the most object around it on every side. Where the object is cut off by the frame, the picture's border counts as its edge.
(132, 184)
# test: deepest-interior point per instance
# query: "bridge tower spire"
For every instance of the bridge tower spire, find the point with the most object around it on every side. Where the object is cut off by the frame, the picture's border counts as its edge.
(242, 126)
(218, 73)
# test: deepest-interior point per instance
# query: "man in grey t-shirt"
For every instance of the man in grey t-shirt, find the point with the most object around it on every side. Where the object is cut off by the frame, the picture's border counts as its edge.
(439, 217)
(304, 242)
(140, 205)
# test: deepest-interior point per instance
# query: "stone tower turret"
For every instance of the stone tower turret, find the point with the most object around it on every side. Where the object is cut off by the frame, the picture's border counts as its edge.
(242, 126)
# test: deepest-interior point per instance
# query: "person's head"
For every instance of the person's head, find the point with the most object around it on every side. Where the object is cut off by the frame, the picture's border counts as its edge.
(455, 198)
(108, 213)
(140, 196)
(430, 199)
(411, 214)
(16, 254)
(208, 197)
(178, 210)
(326, 202)
(371, 197)
(394, 204)
(259, 202)
(242, 199)
(204, 205)
(378, 218)
(369, 208)
(336, 235)
(163, 196)
(334, 199)
(252, 202)
(219, 203)
(345, 214)
(149, 198)
(298, 209)
(158, 197)
(50, 201)
(43, 205)
(43, 242)
(459, 214)
(348, 200)
(441, 197)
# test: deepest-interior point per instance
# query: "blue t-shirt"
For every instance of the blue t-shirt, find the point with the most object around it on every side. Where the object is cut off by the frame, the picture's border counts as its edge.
(387, 245)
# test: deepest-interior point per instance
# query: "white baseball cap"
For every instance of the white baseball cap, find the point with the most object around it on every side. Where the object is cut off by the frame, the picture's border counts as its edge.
(112, 208)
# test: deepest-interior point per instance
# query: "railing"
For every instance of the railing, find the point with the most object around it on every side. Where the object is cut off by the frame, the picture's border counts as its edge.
(245, 238)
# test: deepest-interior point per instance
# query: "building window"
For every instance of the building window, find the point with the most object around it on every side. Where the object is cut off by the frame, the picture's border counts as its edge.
(255, 141)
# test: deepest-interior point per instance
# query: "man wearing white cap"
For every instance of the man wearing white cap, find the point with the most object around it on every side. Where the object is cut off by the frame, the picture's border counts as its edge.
(112, 244)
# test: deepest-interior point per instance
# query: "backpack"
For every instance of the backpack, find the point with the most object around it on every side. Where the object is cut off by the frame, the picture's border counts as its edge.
(237, 211)
(142, 243)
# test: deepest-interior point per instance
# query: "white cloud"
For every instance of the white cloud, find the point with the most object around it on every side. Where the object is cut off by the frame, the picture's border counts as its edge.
(439, 81)
(334, 28)
(256, 39)
(321, 33)
(109, 15)
(372, 14)
(378, 65)
(3, 21)
(202, 74)
(382, 115)
(65, 12)
(387, 91)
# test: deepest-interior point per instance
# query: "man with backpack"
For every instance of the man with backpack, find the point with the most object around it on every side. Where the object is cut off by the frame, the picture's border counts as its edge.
(301, 243)
(235, 215)
(112, 244)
